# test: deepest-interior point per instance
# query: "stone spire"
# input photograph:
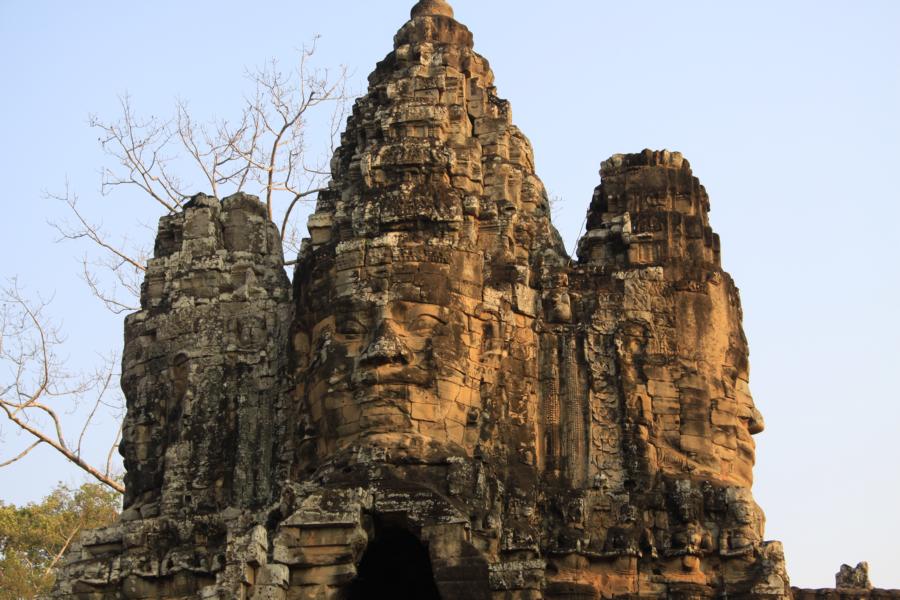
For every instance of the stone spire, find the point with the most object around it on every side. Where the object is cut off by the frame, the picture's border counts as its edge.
(431, 8)
(432, 175)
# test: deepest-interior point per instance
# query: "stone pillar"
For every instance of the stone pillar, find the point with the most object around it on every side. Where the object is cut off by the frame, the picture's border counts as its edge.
(204, 361)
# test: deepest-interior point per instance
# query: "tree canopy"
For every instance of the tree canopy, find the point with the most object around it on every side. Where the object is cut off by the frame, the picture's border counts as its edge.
(34, 537)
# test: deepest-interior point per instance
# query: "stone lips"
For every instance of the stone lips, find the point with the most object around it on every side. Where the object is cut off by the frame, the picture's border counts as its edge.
(441, 371)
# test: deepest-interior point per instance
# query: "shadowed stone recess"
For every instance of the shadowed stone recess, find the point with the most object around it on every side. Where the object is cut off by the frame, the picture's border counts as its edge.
(442, 403)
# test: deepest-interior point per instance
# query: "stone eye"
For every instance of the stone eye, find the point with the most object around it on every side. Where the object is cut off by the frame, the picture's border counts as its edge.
(351, 327)
(424, 323)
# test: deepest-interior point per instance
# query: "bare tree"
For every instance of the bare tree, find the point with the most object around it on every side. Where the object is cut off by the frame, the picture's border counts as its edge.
(264, 151)
(163, 162)
(37, 393)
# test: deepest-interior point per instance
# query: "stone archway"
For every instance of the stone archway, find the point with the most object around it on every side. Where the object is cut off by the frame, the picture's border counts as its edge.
(352, 544)
(394, 565)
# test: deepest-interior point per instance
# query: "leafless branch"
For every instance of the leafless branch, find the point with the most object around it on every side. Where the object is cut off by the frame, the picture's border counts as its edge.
(103, 388)
(85, 229)
(290, 208)
(140, 146)
(112, 449)
(62, 550)
(109, 300)
(125, 267)
(21, 454)
(276, 149)
(29, 357)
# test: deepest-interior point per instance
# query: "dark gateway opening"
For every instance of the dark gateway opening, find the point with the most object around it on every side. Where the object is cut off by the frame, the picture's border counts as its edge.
(396, 566)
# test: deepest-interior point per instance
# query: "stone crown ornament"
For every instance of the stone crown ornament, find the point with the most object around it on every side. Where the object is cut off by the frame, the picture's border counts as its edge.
(431, 8)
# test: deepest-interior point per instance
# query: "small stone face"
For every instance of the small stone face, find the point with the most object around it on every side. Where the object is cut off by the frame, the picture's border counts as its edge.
(442, 384)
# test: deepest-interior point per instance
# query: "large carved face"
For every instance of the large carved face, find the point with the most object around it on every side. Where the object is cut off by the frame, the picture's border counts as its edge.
(716, 417)
(401, 356)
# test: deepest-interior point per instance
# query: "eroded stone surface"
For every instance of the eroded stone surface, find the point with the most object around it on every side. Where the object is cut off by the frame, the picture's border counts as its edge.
(442, 372)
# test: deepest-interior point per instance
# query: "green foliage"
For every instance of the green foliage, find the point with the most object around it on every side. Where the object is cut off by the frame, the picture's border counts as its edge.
(33, 537)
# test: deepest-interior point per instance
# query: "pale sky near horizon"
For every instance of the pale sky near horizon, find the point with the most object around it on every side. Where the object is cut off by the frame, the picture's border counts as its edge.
(789, 112)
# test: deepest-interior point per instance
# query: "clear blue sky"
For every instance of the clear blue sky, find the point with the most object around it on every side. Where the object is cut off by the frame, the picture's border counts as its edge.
(788, 111)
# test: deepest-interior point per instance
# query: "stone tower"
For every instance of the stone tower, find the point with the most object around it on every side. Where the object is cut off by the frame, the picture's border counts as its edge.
(443, 404)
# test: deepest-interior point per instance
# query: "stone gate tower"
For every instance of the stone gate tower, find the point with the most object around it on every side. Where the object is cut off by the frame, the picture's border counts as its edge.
(443, 404)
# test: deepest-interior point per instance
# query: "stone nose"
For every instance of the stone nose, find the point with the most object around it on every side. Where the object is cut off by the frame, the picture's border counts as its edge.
(385, 348)
(756, 423)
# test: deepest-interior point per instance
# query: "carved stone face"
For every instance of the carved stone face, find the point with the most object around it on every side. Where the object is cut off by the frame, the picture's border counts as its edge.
(401, 357)
(716, 415)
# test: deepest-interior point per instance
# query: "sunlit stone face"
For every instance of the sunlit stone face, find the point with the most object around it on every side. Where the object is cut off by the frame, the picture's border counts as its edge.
(401, 357)
(379, 353)
(704, 414)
